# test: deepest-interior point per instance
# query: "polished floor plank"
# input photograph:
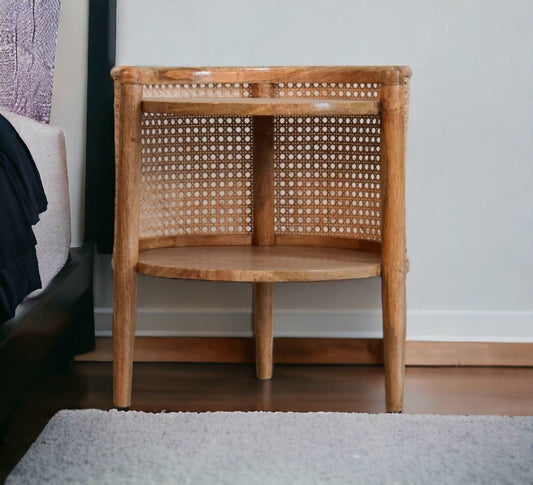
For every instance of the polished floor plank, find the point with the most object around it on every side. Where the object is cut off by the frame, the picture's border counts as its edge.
(233, 387)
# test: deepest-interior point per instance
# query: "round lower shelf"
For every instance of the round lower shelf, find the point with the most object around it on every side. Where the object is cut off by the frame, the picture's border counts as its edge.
(259, 263)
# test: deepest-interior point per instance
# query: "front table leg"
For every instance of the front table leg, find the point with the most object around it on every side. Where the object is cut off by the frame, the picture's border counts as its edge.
(126, 244)
(394, 328)
(123, 336)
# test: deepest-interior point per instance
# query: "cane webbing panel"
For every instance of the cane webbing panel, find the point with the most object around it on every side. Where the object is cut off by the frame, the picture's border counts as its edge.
(328, 170)
(197, 90)
(327, 176)
(197, 171)
(196, 175)
(336, 91)
(327, 90)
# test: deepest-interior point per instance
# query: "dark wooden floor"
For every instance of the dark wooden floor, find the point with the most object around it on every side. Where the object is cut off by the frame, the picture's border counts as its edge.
(232, 387)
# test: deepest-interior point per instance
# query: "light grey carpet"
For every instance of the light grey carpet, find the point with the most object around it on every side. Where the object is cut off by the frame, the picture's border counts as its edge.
(278, 448)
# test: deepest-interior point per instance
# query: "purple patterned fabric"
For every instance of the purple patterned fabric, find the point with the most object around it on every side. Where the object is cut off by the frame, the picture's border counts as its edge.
(28, 34)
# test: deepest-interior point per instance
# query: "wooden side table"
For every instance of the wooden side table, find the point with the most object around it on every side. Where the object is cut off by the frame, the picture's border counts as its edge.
(261, 175)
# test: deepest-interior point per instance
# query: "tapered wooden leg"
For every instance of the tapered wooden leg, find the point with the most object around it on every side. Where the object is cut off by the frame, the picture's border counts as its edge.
(123, 337)
(126, 244)
(264, 402)
(263, 305)
(394, 319)
(393, 248)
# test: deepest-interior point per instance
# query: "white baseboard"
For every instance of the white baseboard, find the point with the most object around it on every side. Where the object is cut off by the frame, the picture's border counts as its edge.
(431, 325)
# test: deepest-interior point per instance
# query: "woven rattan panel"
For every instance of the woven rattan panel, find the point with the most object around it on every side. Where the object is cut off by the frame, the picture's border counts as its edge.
(197, 171)
(196, 175)
(336, 91)
(327, 90)
(327, 176)
(197, 90)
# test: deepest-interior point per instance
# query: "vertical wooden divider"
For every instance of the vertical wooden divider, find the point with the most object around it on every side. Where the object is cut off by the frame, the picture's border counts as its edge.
(263, 190)
(263, 230)
(393, 270)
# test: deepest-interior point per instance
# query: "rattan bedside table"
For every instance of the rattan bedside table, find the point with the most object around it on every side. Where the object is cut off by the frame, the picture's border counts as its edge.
(260, 175)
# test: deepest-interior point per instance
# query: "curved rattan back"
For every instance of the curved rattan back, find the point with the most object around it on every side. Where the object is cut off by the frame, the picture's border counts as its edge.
(197, 172)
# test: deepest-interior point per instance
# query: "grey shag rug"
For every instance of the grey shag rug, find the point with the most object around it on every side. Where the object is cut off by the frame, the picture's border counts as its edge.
(112, 447)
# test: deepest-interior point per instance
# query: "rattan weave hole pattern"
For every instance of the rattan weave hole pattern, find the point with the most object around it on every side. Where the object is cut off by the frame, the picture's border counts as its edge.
(327, 90)
(197, 90)
(196, 175)
(327, 176)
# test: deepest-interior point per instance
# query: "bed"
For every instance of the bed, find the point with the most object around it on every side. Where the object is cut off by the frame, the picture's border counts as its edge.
(57, 321)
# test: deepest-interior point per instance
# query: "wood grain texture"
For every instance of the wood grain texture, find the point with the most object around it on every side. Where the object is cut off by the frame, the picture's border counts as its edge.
(393, 244)
(259, 107)
(263, 312)
(328, 242)
(318, 351)
(263, 180)
(263, 90)
(242, 350)
(259, 263)
(171, 75)
(195, 240)
(126, 244)
(508, 354)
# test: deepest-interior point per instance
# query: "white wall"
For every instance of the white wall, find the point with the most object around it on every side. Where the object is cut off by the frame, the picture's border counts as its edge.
(69, 100)
(470, 158)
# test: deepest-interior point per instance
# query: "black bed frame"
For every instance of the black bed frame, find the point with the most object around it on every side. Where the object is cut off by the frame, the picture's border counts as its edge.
(59, 322)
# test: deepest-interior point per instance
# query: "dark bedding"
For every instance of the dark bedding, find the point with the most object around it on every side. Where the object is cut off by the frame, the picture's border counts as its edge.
(22, 199)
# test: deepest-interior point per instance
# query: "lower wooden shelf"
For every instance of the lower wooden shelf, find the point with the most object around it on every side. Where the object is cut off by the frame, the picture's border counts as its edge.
(259, 263)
